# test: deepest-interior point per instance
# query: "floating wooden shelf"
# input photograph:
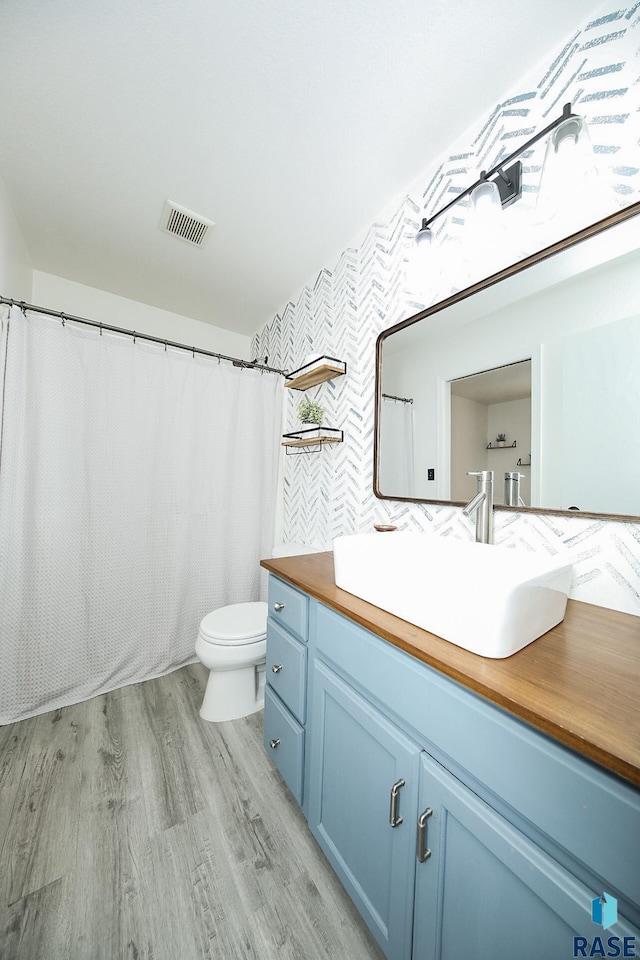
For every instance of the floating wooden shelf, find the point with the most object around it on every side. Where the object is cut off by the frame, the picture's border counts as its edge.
(312, 437)
(505, 446)
(318, 371)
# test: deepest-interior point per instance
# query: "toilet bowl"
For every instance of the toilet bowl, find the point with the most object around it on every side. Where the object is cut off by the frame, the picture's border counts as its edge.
(232, 644)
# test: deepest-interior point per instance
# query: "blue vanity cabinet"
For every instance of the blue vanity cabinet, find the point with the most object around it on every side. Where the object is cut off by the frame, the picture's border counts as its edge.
(362, 805)
(285, 699)
(506, 835)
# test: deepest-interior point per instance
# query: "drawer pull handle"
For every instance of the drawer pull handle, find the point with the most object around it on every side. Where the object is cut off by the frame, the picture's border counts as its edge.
(423, 851)
(274, 743)
(276, 668)
(394, 801)
(278, 607)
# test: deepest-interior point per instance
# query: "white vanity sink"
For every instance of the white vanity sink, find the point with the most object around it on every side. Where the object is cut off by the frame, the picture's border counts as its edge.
(490, 600)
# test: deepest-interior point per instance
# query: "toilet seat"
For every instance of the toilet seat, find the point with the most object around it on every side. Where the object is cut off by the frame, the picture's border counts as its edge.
(236, 624)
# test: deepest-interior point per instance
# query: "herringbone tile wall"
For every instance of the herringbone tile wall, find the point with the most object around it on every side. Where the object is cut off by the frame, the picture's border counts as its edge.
(331, 492)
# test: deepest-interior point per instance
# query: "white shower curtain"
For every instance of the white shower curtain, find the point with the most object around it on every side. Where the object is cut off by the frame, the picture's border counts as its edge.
(137, 493)
(396, 448)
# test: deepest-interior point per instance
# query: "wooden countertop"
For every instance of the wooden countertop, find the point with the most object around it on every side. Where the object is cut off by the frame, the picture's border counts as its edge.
(579, 683)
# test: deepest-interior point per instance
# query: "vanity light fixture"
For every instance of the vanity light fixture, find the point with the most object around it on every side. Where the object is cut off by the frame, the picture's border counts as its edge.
(506, 176)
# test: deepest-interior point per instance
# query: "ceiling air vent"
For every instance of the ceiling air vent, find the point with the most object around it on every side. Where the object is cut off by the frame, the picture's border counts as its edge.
(185, 223)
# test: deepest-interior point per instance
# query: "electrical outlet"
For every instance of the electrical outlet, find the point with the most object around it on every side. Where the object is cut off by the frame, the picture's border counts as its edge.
(431, 473)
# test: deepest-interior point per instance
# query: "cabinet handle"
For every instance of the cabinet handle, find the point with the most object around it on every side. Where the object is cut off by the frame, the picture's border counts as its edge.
(276, 668)
(423, 852)
(394, 817)
(274, 743)
(278, 607)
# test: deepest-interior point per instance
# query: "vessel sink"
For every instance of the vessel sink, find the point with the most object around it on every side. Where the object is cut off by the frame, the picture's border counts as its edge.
(491, 600)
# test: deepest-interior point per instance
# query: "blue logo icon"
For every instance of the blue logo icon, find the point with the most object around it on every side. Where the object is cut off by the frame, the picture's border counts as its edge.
(604, 910)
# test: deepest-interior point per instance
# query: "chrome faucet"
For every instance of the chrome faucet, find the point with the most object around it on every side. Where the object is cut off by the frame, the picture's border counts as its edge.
(482, 505)
(512, 496)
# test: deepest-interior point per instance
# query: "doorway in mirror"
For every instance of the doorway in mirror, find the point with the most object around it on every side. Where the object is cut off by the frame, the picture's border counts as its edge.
(491, 428)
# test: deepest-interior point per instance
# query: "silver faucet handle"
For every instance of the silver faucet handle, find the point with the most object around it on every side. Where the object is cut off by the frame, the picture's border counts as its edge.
(483, 474)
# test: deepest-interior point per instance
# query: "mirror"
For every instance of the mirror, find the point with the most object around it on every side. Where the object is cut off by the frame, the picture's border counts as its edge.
(534, 371)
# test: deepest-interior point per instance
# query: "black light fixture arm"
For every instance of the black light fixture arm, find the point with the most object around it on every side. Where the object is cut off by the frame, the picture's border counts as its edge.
(506, 175)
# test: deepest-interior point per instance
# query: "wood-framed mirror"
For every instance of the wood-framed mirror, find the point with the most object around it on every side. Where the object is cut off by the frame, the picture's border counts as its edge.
(534, 371)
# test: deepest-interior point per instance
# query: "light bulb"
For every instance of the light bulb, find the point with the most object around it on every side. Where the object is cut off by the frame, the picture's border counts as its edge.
(424, 279)
(424, 240)
(485, 201)
(484, 232)
(569, 192)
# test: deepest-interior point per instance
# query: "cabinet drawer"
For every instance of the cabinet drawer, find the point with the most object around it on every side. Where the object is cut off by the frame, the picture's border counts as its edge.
(284, 741)
(288, 607)
(287, 669)
(581, 807)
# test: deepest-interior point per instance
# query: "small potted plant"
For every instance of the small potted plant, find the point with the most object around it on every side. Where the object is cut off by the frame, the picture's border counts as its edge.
(501, 439)
(310, 412)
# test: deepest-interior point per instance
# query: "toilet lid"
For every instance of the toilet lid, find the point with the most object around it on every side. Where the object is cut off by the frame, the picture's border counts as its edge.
(237, 623)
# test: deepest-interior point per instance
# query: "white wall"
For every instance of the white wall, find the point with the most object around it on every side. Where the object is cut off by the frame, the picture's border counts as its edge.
(601, 375)
(16, 269)
(76, 298)
(512, 417)
(469, 432)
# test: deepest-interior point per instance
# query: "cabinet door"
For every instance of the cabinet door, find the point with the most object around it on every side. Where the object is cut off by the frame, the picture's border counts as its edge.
(357, 759)
(486, 891)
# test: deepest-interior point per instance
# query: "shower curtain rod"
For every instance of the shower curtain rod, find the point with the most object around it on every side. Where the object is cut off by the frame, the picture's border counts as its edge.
(254, 365)
(390, 396)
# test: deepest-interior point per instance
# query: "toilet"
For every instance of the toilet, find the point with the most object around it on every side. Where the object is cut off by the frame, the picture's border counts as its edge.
(232, 644)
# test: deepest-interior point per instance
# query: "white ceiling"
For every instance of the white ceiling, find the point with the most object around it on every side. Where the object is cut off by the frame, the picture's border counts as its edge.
(512, 382)
(292, 124)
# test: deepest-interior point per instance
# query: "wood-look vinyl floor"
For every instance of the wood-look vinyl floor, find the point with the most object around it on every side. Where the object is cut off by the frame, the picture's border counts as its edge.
(130, 829)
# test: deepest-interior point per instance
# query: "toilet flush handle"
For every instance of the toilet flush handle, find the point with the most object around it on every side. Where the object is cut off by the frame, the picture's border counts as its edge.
(278, 607)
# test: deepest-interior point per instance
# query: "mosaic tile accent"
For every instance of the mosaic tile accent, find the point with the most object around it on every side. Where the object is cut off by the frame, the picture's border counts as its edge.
(331, 493)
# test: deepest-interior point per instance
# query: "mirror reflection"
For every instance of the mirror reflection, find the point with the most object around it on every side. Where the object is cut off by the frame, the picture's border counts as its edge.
(495, 404)
(535, 373)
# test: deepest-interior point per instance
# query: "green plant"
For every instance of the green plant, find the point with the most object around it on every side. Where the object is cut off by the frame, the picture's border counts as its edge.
(310, 412)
